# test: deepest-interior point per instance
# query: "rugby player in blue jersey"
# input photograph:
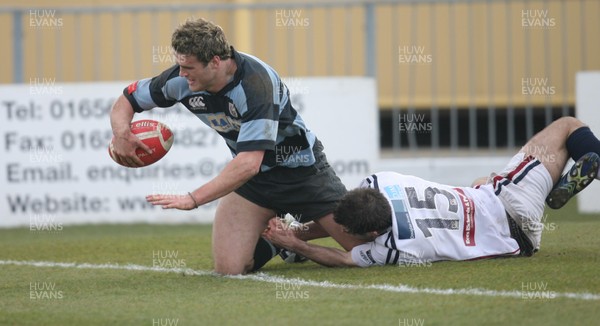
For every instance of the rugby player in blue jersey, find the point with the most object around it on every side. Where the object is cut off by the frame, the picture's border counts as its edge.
(244, 100)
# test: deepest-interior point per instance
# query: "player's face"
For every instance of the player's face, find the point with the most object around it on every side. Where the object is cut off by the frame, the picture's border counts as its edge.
(199, 76)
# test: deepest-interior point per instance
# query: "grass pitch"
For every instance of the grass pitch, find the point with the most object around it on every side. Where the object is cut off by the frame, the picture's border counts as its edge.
(514, 291)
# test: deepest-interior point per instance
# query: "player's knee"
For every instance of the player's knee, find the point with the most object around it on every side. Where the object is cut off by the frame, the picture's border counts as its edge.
(229, 270)
(232, 267)
(570, 123)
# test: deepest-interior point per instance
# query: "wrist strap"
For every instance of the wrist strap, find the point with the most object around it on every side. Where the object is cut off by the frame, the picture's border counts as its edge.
(195, 202)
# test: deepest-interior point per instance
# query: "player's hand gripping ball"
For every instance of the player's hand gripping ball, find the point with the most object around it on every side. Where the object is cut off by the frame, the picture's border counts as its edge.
(152, 133)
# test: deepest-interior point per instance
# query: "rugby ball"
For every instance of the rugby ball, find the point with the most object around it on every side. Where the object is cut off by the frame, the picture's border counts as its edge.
(152, 133)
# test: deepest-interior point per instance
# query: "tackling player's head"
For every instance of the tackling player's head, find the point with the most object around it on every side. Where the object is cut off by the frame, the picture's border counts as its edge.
(202, 39)
(362, 211)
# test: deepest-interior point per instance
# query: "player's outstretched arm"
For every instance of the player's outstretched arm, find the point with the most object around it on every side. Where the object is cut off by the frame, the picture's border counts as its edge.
(237, 172)
(283, 236)
(125, 142)
(311, 231)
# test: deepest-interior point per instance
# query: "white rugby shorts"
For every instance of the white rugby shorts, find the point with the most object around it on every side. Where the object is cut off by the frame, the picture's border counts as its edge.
(522, 187)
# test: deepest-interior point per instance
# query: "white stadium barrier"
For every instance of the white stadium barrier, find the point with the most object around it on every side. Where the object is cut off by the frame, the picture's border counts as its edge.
(588, 110)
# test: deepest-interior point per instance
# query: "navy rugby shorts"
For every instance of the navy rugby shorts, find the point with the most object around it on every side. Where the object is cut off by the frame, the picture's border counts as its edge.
(307, 193)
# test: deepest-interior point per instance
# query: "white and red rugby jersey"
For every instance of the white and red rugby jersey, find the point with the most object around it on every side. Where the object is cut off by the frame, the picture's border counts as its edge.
(433, 222)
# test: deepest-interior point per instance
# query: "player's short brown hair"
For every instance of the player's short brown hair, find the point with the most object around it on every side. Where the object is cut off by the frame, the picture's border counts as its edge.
(201, 38)
(363, 210)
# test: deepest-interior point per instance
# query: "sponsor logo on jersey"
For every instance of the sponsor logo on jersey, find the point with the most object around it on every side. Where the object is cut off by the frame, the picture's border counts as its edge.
(469, 218)
(196, 103)
(223, 123)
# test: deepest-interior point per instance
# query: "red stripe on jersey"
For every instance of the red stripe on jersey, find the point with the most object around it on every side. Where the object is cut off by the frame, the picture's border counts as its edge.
(497, 179)
(512, 173)
(469, 218)
(132, 87)
(520, 167)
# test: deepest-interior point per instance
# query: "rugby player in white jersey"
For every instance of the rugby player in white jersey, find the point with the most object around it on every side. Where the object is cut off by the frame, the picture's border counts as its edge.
(407, 219)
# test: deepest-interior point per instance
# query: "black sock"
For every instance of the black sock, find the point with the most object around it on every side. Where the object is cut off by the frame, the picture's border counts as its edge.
(263, 252)
(581, 142)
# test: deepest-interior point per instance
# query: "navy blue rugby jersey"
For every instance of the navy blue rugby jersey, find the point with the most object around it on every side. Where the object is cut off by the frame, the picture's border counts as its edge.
(252, 112)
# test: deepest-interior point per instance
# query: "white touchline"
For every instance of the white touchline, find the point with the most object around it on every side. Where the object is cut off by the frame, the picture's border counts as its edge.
(263, 277)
